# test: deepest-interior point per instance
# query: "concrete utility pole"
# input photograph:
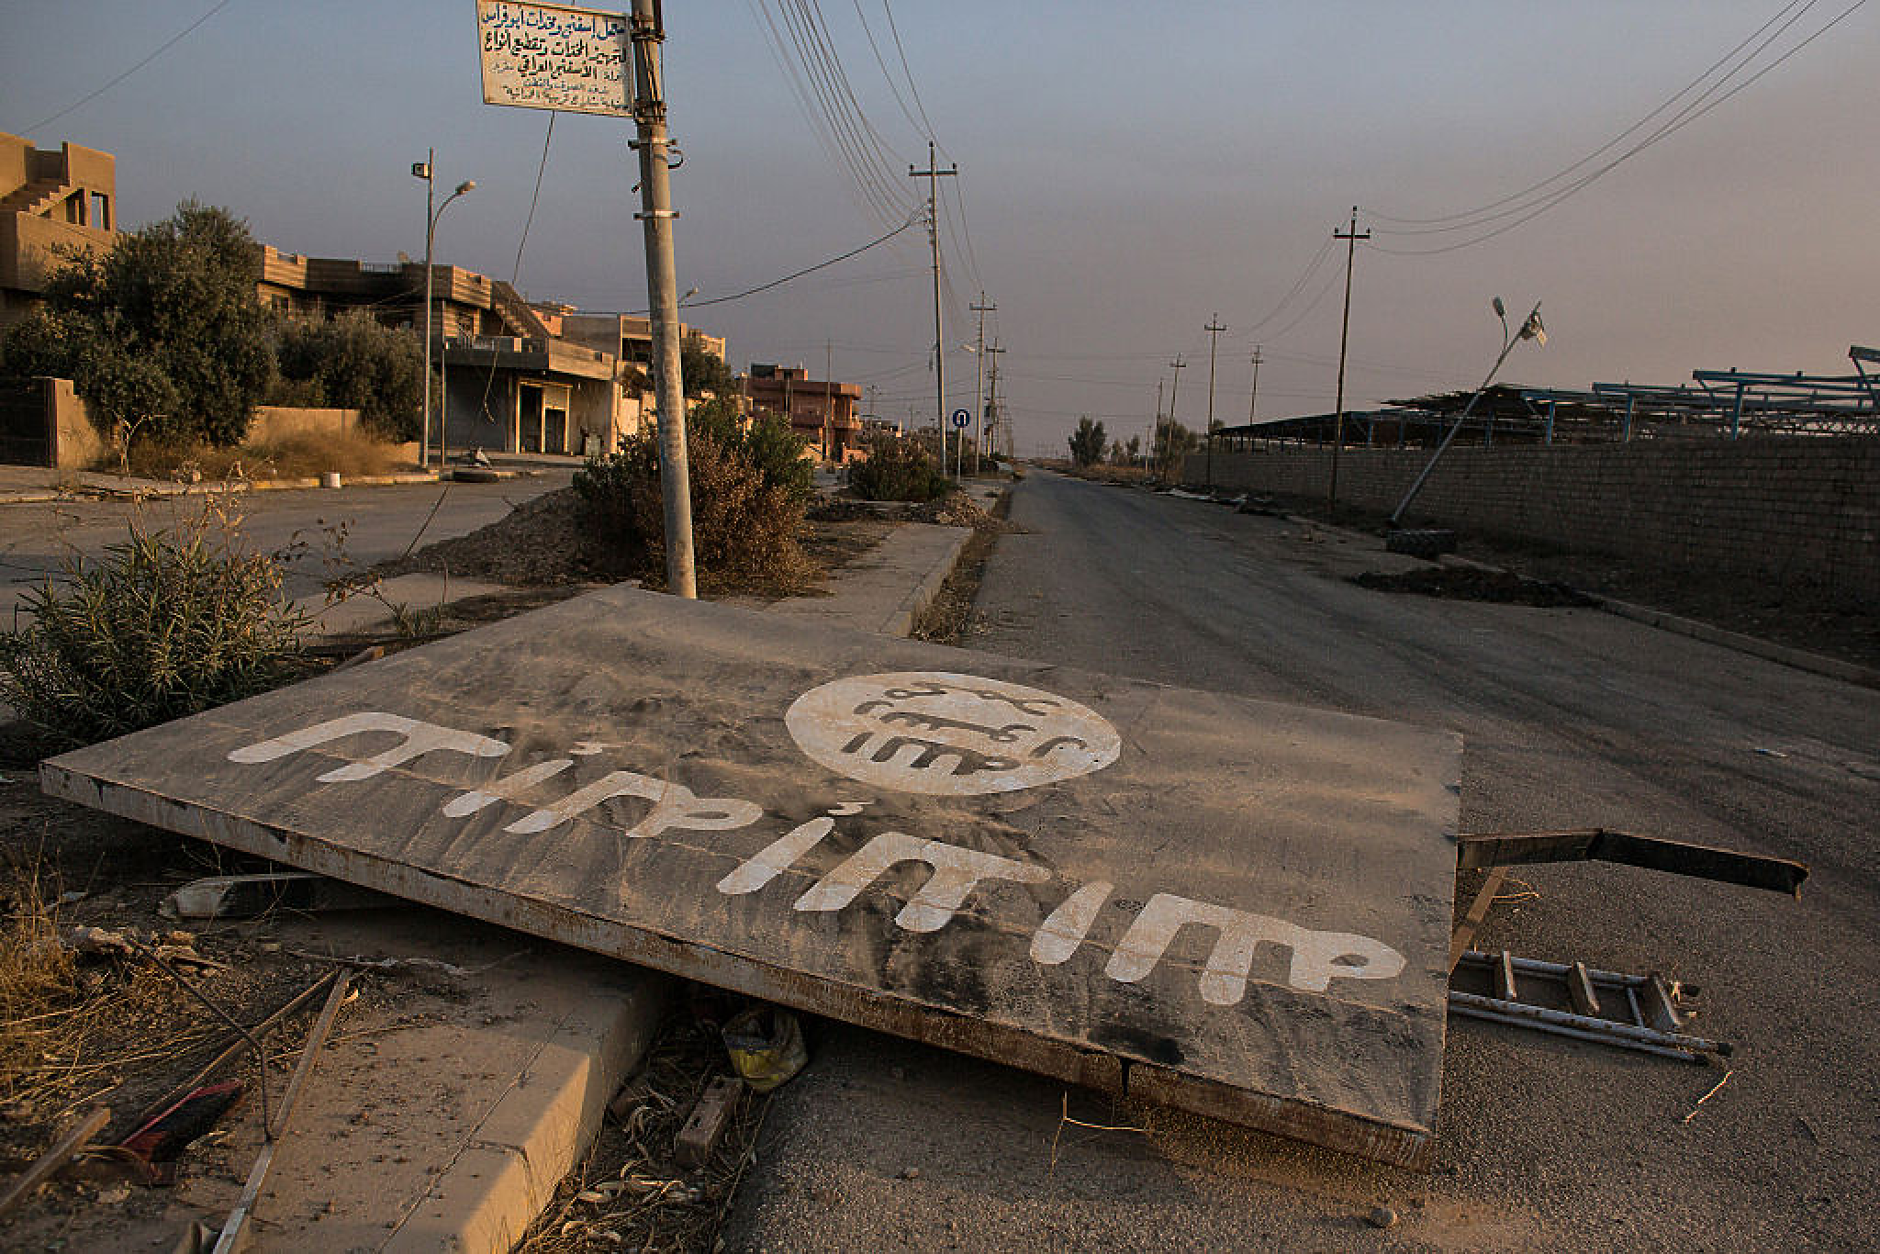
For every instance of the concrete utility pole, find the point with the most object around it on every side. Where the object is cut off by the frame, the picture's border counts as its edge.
(990, 418)
(829, 394)
(1351, 239)
(979, 387)
(1214, 329)
(1178, 365)
(662, 296)
(1155, 426)
(1254, 396)
(933, 174)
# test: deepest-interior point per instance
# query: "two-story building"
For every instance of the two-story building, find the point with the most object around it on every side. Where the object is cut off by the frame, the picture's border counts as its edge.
(512, 382)
(821, 411)
(49, 202)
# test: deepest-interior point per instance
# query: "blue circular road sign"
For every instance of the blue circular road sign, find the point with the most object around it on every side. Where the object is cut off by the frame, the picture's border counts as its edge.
(961, 418)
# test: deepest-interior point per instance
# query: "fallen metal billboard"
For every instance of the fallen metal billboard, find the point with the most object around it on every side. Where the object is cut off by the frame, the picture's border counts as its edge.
(1235, 907)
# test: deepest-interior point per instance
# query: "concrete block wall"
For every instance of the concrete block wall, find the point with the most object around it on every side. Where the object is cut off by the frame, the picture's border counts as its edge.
(1793, 511)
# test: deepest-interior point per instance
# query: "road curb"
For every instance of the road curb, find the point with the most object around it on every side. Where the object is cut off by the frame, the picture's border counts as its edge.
(506, 1173)
(1799, 659)
(1755, 646)
(39, 496)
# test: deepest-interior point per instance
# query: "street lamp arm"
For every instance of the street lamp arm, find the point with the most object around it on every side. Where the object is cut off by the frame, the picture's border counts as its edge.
(1530, 330)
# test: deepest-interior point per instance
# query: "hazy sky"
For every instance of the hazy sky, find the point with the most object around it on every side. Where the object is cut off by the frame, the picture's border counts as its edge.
(1126, 172)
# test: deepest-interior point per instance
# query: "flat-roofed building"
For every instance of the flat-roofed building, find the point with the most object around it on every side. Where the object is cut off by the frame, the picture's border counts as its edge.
(50, 201)
(821, 411)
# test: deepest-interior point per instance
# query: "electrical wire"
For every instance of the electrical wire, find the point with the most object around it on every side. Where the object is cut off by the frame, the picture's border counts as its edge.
(161, 49)
(1305, 276)
(874, 48)
(1608, 145)
(1684, 118)
(765, 287)
(541, 168)
(901, 52)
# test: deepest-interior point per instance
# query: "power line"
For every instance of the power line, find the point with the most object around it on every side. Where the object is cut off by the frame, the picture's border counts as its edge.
(541, 168)
(907, 73)
(1685, 117)
(171, 42)
(765, 287)
(1608, 145)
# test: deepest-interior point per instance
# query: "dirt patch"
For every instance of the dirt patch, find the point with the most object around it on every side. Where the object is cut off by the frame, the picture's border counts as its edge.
(1470, 583)
(1815, 618)
(947, 619)
(542, 543)
(539, 542)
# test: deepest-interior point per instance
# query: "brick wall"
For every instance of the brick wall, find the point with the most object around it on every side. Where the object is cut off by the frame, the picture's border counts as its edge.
(1791, 511)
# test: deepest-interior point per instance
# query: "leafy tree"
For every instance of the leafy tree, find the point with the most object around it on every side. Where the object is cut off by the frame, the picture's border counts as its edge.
(1087, 442)
(1173, 442)
(357, 362)
(703, 370)
(164, 330)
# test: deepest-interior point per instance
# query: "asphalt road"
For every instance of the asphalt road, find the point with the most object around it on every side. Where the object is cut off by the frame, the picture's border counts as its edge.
(358, 526)
(1572, 718)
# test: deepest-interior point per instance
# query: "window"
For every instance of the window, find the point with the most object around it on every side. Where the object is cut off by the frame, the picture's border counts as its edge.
(100, 211)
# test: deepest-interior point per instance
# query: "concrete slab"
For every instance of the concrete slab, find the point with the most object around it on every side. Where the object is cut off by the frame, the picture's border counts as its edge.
(451, 1106)
(1230, 906)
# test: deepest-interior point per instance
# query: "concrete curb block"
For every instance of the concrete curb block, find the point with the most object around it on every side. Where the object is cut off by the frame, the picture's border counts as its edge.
(922, 595)
(1768, 650)
(505, 1174)
(37, 496)
(1755, 646)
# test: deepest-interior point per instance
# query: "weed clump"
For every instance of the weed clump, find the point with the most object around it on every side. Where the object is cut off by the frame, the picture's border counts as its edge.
(898, 470)
(170, 622)
(744, 523)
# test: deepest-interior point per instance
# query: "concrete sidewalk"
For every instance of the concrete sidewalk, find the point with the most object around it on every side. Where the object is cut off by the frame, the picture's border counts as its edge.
(452, 1136)
(27, 485)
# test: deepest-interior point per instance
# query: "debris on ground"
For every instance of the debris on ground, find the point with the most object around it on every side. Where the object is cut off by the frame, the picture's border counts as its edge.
(711, 1116)
(765, 1044)
(1475, 583)
(250, 896)
(631, 1192)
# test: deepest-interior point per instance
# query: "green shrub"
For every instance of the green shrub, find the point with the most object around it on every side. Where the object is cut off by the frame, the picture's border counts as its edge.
(766, 442)
(744, 527)
(898, 470)
(355, 362)
(167, 623)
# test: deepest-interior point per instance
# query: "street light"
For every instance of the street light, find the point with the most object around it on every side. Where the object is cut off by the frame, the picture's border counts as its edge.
(1531, 329)
(423, 170)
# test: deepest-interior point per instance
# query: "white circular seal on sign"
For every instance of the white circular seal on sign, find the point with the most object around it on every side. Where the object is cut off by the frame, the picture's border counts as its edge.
(949, 735)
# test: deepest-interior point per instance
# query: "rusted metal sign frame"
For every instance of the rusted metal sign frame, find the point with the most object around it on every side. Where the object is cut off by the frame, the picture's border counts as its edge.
(1407, 1034)
(1654, 853)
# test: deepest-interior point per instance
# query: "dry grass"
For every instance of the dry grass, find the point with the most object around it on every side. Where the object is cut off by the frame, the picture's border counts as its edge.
(628, 1194)
(38, 981)
(296, 456)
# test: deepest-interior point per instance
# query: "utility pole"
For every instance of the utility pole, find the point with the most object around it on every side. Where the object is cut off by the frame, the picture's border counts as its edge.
(992, 402)
(662, 295)
(1178, 365)
(933, 174)
(829, 395)
(979, 389)
(1351, 239)
(1155, 427)
(1214, 329)
(1254, 396)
